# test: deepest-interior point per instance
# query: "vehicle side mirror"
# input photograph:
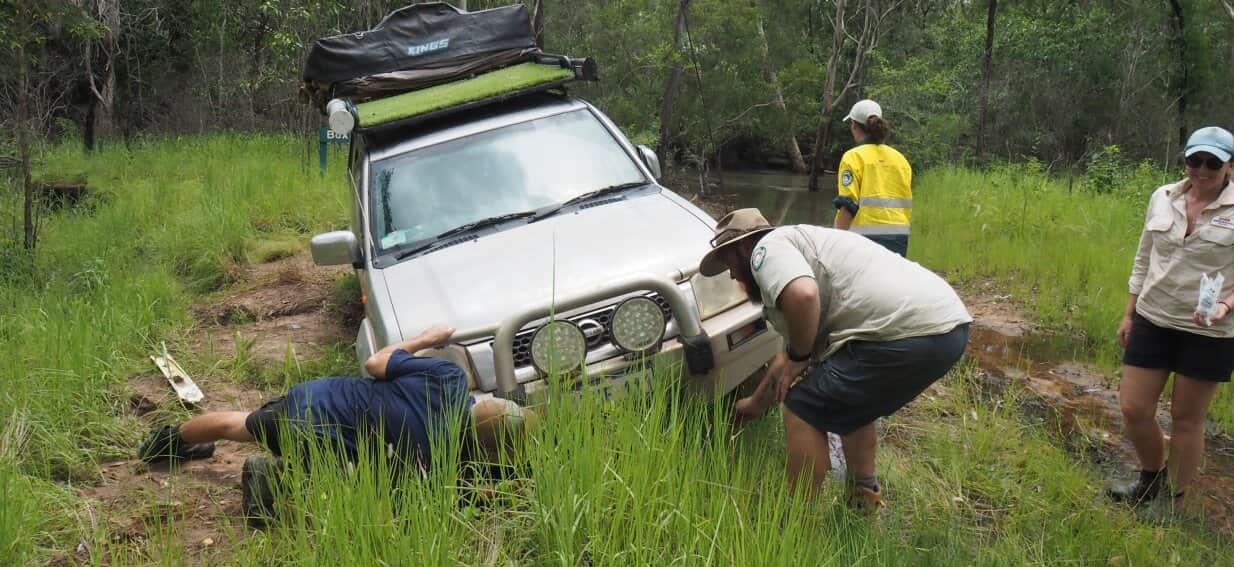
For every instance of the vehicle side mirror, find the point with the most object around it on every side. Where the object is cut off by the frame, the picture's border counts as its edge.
(336, 248)
(649, 158)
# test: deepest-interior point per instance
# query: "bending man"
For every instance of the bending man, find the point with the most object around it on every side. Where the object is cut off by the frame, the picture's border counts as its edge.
(880, 327)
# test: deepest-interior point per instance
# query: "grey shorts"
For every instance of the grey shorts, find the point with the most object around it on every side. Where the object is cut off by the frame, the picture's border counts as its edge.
(867, 380)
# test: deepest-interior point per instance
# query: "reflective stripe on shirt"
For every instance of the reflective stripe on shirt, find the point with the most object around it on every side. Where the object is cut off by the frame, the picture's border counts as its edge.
(879, 229)
(886, 202)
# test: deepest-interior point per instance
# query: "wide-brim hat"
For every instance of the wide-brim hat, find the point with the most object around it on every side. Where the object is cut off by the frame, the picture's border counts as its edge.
(733, 228)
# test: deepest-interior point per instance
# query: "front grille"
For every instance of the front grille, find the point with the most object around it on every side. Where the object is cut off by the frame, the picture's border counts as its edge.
(599, 335)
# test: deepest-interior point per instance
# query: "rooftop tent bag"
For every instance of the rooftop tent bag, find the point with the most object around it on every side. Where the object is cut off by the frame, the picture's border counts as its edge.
(416, 47)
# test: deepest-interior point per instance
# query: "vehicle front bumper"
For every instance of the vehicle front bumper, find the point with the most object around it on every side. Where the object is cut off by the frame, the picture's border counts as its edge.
(715, 355)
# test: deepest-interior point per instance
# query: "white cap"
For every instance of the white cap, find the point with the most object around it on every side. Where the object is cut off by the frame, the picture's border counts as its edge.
(863, 110)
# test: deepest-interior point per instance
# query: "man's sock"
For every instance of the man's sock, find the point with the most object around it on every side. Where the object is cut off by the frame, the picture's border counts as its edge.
(868, 481)
(1154, 477)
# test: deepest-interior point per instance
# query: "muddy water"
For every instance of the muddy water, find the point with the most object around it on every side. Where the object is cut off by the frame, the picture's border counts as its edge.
(1079, 405)
(784, 198)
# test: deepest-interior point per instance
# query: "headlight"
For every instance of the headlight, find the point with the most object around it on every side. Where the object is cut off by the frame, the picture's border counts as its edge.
(637, 325)
(715, 294)
(558, 347)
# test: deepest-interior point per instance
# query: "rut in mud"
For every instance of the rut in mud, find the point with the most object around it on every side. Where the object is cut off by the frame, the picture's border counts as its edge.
(1080, 402)
(281, 306)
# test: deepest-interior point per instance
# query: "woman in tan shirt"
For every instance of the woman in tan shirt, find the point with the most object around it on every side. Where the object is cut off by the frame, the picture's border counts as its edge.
(1188, 232)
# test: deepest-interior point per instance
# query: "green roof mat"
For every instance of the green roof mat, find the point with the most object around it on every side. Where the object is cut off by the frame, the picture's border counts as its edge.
(480, 87)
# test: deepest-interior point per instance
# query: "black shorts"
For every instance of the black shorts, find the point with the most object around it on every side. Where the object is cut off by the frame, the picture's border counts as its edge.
(897, 243)
(1194, 356)
(867, 380)
(264, 423)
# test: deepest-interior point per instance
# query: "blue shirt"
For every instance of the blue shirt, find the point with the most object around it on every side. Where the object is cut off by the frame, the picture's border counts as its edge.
(417, 402)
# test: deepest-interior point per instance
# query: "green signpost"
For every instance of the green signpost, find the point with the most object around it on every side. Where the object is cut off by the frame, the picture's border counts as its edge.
(325, 137)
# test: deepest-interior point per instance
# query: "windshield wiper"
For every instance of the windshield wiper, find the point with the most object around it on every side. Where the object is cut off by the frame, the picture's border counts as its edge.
(550, 211)
(461, 229)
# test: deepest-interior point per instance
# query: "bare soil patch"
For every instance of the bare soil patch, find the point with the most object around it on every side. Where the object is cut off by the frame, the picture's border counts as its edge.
(196, 506)
(1080, 402)
(283, 304)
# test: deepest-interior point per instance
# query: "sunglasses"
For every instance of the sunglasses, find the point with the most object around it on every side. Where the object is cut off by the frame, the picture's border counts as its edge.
(1196, 160)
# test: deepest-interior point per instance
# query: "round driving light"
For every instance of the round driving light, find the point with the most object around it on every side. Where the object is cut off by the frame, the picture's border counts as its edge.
(637, 325)
(558, 347)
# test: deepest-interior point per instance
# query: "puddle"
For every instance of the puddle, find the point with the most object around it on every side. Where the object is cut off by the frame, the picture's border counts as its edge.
(1079, 403)
(784, 198)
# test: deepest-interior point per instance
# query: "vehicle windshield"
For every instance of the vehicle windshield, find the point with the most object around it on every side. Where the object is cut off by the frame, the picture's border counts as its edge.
(522, 167)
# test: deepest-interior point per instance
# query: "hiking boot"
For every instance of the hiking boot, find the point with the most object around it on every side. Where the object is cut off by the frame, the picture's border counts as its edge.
(865, 499)
(165, 444)
(257, 479)
(1142, 491)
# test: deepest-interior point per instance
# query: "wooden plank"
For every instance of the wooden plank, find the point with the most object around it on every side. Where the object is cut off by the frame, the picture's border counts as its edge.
(179, 379)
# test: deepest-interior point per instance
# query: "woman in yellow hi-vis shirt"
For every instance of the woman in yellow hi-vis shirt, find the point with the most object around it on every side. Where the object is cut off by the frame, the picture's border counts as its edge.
(876, 196)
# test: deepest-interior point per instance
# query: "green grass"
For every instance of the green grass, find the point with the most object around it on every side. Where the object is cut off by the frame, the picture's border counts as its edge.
(644, 480)
(109, 283)
(490, 84)
(663, 479)
(1063, 252)
(274, 248)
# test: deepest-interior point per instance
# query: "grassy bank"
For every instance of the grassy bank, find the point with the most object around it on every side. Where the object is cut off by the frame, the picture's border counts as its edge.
(638, 481)
(1055, 246)
(114, 277)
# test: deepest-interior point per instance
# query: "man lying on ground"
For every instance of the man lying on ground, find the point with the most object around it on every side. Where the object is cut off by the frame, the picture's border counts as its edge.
(881, 327)
(409, 405)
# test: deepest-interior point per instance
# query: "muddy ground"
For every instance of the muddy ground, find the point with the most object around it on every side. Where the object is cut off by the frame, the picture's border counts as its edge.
(285, 302)
(281, 303)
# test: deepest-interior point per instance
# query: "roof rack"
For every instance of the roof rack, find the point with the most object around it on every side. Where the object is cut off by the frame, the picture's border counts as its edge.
(544, 72)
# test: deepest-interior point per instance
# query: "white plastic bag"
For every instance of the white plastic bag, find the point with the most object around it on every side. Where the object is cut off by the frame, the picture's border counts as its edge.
(1210, 288)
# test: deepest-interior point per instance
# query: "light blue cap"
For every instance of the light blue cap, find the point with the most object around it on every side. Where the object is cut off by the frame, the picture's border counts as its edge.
(1211, 139)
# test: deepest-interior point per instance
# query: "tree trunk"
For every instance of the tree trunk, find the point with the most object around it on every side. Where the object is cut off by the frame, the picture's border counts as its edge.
(674, 80)
(829, 87)
(537, 23)
(105, 116)
(794, 151)
(1180, 43)
(23, 127)
(1229, 10)
(985, 79)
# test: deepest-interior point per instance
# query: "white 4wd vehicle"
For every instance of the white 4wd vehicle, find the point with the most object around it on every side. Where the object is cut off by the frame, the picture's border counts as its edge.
(536, 229)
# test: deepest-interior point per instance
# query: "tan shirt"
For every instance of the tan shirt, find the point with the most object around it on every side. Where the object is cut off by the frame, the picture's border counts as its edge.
(866, 291)
(1168, 264)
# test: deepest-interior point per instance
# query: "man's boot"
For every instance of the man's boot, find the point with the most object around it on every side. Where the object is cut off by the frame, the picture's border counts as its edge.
(257, 478)
(865, 495)
(1143, 490)
(165, 444)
